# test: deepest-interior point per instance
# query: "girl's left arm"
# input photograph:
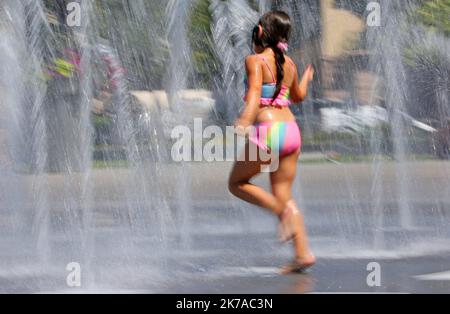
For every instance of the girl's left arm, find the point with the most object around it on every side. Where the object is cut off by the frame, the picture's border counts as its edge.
(253, 97)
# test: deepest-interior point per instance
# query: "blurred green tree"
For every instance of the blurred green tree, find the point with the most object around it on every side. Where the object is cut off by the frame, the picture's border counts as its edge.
(428, 63)
(200, 38)
(435, 14)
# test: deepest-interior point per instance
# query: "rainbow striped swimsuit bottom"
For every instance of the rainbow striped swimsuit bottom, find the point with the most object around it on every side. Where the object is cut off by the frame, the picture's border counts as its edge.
(282, 138)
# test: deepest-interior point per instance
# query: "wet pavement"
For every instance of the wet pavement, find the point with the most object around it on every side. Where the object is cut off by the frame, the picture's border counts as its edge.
(205, 241)
(231, 265)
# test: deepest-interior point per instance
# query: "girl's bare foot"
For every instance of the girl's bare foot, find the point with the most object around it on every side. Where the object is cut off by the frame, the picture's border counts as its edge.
(288, 222)
(299, 265)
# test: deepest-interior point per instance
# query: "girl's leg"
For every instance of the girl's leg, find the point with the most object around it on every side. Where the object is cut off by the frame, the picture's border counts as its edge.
(240, 186)
(282, 181)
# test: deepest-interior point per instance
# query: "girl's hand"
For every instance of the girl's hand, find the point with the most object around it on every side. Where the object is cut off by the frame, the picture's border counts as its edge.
(241, 128)
(308, 75)
(299, 91)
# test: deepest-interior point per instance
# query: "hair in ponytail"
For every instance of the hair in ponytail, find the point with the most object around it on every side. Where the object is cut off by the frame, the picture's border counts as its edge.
(276, 29)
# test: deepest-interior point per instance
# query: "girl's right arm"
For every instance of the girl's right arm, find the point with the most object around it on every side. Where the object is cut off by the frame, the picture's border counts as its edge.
(253, 97)
(299, 91)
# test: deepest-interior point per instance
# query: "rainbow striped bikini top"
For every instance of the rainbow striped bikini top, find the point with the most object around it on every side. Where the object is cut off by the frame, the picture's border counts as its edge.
(268, 91)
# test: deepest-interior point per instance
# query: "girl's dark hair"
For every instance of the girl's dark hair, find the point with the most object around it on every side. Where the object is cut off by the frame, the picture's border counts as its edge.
(276, 26)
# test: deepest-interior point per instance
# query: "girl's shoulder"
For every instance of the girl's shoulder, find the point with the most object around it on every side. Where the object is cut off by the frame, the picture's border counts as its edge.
(253, 59)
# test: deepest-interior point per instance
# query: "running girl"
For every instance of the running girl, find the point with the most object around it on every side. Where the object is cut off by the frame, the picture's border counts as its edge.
(272, 84)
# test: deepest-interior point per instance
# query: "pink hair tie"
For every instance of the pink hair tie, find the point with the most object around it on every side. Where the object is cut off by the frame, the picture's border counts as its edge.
(283, 46)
